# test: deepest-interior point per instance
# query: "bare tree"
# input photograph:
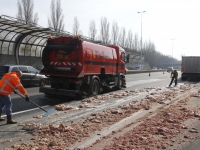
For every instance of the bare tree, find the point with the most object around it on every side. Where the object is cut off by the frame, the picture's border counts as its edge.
(122, 37)
(25, 12)
(75, 29)
(129, 40)
(104, 30)
(92, 30)
(115, 33)
(136, 42)
(150, 53)
(57, 18)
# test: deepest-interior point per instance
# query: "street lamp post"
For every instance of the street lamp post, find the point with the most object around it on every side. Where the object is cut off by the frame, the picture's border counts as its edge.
(141, 12)
(172, 50)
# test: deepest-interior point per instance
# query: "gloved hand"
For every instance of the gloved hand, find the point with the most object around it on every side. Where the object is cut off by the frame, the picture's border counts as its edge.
(15, 91)
(27, 99)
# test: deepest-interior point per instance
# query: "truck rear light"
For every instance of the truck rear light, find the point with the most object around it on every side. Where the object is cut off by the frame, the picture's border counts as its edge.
(45, 69)
(76, 82)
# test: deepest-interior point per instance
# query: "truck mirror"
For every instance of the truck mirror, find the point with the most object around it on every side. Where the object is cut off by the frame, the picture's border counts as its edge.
(127, 58)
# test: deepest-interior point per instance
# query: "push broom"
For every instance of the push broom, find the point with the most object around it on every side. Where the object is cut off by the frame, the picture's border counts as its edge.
(46, 112)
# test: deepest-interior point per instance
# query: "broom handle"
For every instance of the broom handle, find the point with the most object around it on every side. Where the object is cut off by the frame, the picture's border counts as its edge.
(37, 105)
(31, 102)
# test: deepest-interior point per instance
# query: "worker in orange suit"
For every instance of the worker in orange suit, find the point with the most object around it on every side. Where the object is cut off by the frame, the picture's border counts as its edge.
(8, 84)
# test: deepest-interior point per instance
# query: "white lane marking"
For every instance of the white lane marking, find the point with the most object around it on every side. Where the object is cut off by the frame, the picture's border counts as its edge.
(26, 111)
(132, 83)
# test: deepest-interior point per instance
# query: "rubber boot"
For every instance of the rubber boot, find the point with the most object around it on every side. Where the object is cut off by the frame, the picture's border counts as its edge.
(9, 120)
(1, 119)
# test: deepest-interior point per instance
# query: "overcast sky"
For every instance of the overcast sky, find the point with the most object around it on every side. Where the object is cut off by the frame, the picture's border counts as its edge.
(163, 20)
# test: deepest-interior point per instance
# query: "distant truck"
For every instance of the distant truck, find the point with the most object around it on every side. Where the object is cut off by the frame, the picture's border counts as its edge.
(190, 68)
(137, 67)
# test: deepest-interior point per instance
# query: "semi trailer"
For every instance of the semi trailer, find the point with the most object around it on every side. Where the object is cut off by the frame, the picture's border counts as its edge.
(190, 68)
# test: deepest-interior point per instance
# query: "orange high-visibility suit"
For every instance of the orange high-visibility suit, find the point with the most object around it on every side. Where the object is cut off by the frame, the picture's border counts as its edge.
(11, 82)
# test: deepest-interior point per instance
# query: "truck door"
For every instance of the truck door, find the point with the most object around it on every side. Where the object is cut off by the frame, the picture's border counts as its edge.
(123, 57)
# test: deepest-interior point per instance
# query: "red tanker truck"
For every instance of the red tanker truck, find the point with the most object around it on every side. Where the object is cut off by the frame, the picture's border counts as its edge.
(79, 68)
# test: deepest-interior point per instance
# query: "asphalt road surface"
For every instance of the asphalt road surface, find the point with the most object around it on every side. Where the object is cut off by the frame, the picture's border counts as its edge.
(134, 81)
(24, 113)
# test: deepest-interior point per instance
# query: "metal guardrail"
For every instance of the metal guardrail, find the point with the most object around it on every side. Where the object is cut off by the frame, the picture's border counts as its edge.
(143, 71)
(146, 71)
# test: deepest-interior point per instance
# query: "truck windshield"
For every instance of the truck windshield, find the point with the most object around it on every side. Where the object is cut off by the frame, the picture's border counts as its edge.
(123, 56)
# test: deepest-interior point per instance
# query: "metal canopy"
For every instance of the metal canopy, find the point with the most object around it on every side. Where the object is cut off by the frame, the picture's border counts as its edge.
(20, 39)
(23, 44)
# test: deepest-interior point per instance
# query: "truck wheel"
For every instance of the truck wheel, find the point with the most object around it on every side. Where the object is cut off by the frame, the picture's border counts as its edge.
(119, 86)
(94, 90)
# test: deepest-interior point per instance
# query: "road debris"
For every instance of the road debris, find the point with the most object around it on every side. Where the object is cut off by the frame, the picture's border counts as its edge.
(158, 130)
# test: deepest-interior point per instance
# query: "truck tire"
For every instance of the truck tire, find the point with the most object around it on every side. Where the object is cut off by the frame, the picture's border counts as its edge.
(94, 89)
(120, 82)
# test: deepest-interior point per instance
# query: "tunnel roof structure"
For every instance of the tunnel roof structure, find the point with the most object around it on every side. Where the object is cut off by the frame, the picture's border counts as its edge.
(20, 39)
(25, 39)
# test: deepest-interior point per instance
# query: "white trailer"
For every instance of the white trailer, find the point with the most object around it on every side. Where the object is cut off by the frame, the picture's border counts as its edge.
(190, 68)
